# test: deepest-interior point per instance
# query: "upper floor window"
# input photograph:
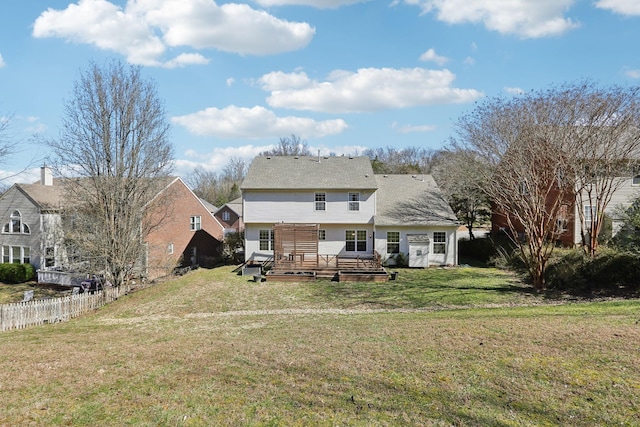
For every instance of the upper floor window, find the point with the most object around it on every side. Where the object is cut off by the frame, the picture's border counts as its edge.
(15, 224)
(354, 201)
(196, 223)
(226, 216)
(320, 202)
(636, 180)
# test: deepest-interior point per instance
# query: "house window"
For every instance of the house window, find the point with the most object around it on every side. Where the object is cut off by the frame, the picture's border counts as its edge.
(354, 201)
(266, 240)
(196, 222)
(439, 242)
(16, 254)
(320, 202)
(636, 180)
(562, 223)
(15, 224)
(49, 257)
(322, 234)
(170, 248)
(393, 242)
(356, 240)
(590, 214)
(226, 216)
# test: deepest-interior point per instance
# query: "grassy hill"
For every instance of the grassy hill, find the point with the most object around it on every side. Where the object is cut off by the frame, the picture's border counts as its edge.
(437, 347)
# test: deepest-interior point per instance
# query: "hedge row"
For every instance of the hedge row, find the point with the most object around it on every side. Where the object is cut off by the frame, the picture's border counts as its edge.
(16, 273)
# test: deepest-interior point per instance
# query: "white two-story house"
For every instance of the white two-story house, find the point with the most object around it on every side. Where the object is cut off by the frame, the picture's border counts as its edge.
(357, 213)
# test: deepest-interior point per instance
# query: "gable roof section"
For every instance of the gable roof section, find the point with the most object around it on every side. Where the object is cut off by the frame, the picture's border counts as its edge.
(48, 197)
(234, 205)
(412, 200)
(310, 173)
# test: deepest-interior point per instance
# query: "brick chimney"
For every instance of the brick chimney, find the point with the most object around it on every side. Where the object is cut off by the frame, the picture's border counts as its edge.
(46, 177)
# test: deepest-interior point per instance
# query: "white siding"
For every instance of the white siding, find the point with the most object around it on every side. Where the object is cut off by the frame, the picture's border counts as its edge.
(299, 207)
(621, 199)
(449, 258)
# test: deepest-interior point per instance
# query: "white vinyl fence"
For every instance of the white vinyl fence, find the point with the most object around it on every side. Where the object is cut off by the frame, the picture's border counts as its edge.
(20, 315)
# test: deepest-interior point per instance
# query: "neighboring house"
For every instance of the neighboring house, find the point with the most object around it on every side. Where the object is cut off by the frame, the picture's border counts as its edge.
(186, 232)
(357, 213)
(30, 215)
(568, 221)
(230, 216)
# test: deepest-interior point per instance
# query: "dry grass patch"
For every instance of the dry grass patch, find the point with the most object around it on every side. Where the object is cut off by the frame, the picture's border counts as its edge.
(145, 360)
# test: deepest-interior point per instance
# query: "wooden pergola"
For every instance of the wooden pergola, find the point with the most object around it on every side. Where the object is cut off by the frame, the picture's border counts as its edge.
(295, 246)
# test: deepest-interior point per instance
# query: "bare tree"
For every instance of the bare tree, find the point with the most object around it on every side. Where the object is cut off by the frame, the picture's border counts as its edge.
(406, 160)
(607, 153)
(456, 172)
(527, 144)
(114, 150)
(219, 188)
(290, 146)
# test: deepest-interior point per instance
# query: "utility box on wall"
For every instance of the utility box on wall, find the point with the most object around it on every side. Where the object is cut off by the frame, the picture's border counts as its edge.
(418, 250)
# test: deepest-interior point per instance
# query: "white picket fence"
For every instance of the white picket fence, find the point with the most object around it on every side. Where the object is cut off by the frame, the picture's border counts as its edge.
(20, 315)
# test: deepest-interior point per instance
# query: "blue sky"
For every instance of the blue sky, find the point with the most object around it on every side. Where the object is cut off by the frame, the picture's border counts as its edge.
(344, 75)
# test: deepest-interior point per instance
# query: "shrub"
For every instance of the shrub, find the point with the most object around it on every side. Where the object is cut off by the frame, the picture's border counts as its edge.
(609, 273)
(480, 249)
(16, 273)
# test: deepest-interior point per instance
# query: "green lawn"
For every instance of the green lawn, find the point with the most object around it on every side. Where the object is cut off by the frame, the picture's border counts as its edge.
(438, 347)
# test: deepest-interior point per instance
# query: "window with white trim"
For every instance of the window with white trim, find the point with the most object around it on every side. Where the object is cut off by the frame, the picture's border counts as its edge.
(15, 224)
(590, 214)
(226, 216)
(196, 223)
(636, 180)
(322, 234)
(170, 248)
(356, 240)
(439, 242)
(266, 240)
(393, 242)
(354, 201)
(320, 202)
(16, 254)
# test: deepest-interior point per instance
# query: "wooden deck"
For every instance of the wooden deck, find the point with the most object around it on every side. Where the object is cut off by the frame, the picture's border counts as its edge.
(296, 258)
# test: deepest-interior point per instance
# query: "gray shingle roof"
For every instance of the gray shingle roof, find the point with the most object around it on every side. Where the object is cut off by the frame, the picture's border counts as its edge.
(309, 172)
(413, 200)
(46, 196)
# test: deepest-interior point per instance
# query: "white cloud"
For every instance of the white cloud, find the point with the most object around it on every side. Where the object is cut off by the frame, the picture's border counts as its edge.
(217, 159)
(320, 4)
(230, 81)
(431, 55)
(469, 60)
(404, 129)
(623, 7)
(368, 89)
(634, 74)
(256, 122)
(513, 90)
(525, 18)
(145, 29)
(2, 63)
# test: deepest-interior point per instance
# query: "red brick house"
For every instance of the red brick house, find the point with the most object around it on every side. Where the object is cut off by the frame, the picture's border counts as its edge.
(230, 216)
(187, 233)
